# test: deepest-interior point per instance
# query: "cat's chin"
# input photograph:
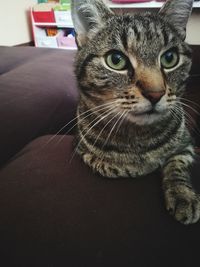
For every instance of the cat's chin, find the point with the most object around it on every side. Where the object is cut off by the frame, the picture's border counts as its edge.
(146, 118)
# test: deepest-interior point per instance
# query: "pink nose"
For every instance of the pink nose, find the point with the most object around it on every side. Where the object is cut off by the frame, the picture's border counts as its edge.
(153, 96)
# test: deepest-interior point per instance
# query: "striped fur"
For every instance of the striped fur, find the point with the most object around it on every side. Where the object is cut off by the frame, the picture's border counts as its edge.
(121, 131)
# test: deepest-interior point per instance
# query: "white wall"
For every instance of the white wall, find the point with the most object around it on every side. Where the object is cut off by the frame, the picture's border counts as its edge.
(193, 28)
(15, 21)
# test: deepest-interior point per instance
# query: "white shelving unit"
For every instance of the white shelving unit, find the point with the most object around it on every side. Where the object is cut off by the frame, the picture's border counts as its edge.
(64, 22)
(46, 24)
(147, 5)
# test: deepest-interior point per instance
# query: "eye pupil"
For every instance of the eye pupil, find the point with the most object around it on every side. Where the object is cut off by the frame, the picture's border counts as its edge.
(169, 57)
(116, 58)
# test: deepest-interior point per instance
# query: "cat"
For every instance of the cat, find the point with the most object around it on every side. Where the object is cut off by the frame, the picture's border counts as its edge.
(131, 72)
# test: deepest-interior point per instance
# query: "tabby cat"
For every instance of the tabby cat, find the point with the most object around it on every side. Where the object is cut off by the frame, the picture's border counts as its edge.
(131, 72)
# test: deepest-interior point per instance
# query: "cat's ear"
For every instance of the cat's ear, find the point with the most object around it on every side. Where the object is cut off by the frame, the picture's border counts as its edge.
(177, 12)
(88, 16)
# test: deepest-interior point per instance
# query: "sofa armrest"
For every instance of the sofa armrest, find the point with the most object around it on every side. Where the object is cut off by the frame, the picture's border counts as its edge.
(38, 95)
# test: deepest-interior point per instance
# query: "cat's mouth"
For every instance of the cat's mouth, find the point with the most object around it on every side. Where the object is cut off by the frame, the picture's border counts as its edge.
(146, 117)
(152, 111)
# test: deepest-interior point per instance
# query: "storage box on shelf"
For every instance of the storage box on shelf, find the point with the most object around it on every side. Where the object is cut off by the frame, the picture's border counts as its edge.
(58, 19)
(43, 16)
(42, 40)
(65, 39)
(63, 18)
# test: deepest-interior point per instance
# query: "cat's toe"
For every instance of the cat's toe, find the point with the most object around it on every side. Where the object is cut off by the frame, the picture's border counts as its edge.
(187, 211)
(185, 207)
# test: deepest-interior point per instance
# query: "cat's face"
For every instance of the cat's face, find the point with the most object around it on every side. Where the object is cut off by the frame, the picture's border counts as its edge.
(138, 63)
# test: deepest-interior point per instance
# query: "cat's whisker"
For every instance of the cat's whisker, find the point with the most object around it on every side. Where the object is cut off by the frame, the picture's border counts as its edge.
(178, 113)
(122, 117)
(186, 114)
(194, 75)
(82, 119)
(122, 120)
(99, 116)
(192, 124)
(189, 120)
(178, 110)
(174, 114)
(83, 137)
(187, 100)
(107, 125)
(90, 111)
(102, 117)
(96, 118)
(112, 129)
(102, 131)
(193, 109)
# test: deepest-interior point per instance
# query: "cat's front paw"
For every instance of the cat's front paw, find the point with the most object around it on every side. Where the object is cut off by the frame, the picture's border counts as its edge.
(184, 204)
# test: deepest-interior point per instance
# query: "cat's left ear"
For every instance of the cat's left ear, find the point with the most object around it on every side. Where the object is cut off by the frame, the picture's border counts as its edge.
(88, 16)
(177, 13)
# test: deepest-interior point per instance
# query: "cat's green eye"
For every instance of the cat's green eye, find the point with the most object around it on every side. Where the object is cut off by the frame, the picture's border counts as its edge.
(169, 59)
(116, 60)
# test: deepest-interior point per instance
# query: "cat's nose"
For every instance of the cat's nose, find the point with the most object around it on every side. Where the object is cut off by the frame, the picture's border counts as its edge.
(153, 96)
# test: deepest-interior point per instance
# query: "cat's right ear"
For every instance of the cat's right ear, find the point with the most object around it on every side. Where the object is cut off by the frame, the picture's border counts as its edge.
(88, 16)
(177, 12)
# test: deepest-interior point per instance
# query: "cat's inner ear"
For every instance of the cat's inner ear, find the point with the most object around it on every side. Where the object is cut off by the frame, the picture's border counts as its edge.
(88, 16)
(177, 13)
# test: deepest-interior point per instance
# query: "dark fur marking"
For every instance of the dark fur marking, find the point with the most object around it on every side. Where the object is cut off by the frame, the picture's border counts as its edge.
(106, 148)
(82, 70)
(175, 161)
(113, 170)
(166, 138)
(171, 183)
(137, 33)
(95, 86)
(92, 160)
(165, 37)
(187, 152)
(128, 173)
(170, 94)
(188, 53)
(124, 39)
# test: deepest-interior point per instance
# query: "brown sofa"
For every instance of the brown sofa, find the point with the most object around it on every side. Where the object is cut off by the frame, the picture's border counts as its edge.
(53, 210)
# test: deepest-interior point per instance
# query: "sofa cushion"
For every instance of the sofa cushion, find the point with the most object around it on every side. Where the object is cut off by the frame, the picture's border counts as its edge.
(55, 212)
(38, 95)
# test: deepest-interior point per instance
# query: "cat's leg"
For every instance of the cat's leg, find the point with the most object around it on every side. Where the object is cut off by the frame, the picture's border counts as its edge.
(181, 200)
